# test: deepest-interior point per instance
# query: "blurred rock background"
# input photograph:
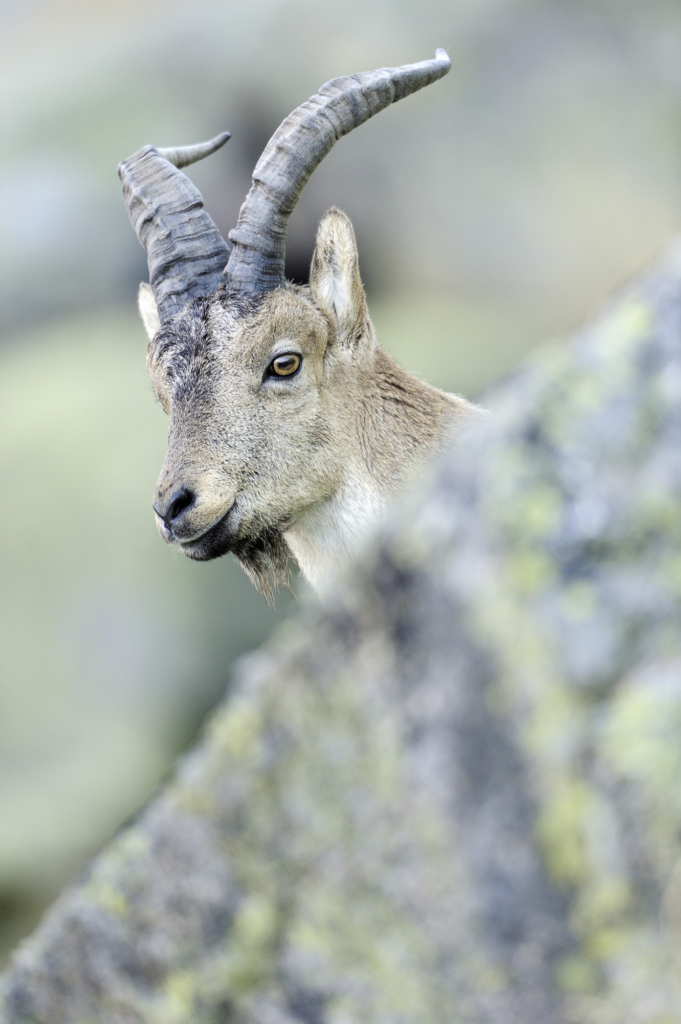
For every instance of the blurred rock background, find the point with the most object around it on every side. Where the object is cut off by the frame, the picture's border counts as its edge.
(493, 210)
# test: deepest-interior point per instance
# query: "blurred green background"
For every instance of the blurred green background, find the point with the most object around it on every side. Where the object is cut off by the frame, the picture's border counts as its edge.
(497, 208)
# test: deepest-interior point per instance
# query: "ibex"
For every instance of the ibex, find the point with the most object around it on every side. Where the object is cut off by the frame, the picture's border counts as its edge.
(291, 430)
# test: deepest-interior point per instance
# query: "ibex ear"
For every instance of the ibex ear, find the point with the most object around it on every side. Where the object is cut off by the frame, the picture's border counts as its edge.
(146, 303)
(335, 283)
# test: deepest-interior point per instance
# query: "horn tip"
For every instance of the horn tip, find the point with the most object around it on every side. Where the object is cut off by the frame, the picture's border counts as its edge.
(442, 55)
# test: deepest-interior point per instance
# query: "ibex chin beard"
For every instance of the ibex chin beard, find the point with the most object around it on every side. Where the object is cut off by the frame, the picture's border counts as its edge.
(263, 554)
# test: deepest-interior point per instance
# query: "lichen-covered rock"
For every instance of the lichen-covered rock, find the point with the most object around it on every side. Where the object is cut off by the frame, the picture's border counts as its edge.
(453, 793)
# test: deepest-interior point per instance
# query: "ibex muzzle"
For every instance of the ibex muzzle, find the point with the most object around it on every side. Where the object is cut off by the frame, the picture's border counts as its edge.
(290, 428)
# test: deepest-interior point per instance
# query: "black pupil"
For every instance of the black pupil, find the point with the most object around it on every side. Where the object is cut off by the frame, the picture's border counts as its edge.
(286, 365)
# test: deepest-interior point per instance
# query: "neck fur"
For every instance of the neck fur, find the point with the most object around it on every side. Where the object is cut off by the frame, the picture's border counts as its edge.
(331, 533)
(399, 426)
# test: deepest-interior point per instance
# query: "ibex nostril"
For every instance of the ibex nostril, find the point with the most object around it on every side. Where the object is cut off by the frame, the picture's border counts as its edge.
(179, 502)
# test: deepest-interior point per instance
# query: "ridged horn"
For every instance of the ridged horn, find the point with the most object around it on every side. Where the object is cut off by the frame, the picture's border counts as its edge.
(185, 251)
(297, 147)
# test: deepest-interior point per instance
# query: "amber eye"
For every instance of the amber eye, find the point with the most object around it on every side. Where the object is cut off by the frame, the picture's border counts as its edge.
(285, 366)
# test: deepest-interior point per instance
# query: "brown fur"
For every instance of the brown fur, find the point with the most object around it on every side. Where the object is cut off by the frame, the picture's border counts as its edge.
(300, 466)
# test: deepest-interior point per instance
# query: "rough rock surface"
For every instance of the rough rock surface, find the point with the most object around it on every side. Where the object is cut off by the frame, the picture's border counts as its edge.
(453, 792)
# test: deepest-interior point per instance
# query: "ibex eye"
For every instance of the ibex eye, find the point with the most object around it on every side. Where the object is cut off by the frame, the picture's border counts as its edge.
(285, 366)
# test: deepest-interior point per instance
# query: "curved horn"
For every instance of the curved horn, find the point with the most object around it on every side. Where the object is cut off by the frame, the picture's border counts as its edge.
(185, 251)
(183, 156)
(297, 147)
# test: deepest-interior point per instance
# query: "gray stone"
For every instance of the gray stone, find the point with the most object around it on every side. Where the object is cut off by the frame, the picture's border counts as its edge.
(453, 791)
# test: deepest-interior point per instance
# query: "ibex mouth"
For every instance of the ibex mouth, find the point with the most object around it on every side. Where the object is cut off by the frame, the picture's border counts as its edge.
(217, 540)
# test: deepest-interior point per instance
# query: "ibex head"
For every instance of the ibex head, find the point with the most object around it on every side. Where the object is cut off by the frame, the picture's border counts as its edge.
(289, 427)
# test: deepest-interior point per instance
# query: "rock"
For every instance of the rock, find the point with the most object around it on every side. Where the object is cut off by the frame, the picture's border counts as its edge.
(452, 792)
